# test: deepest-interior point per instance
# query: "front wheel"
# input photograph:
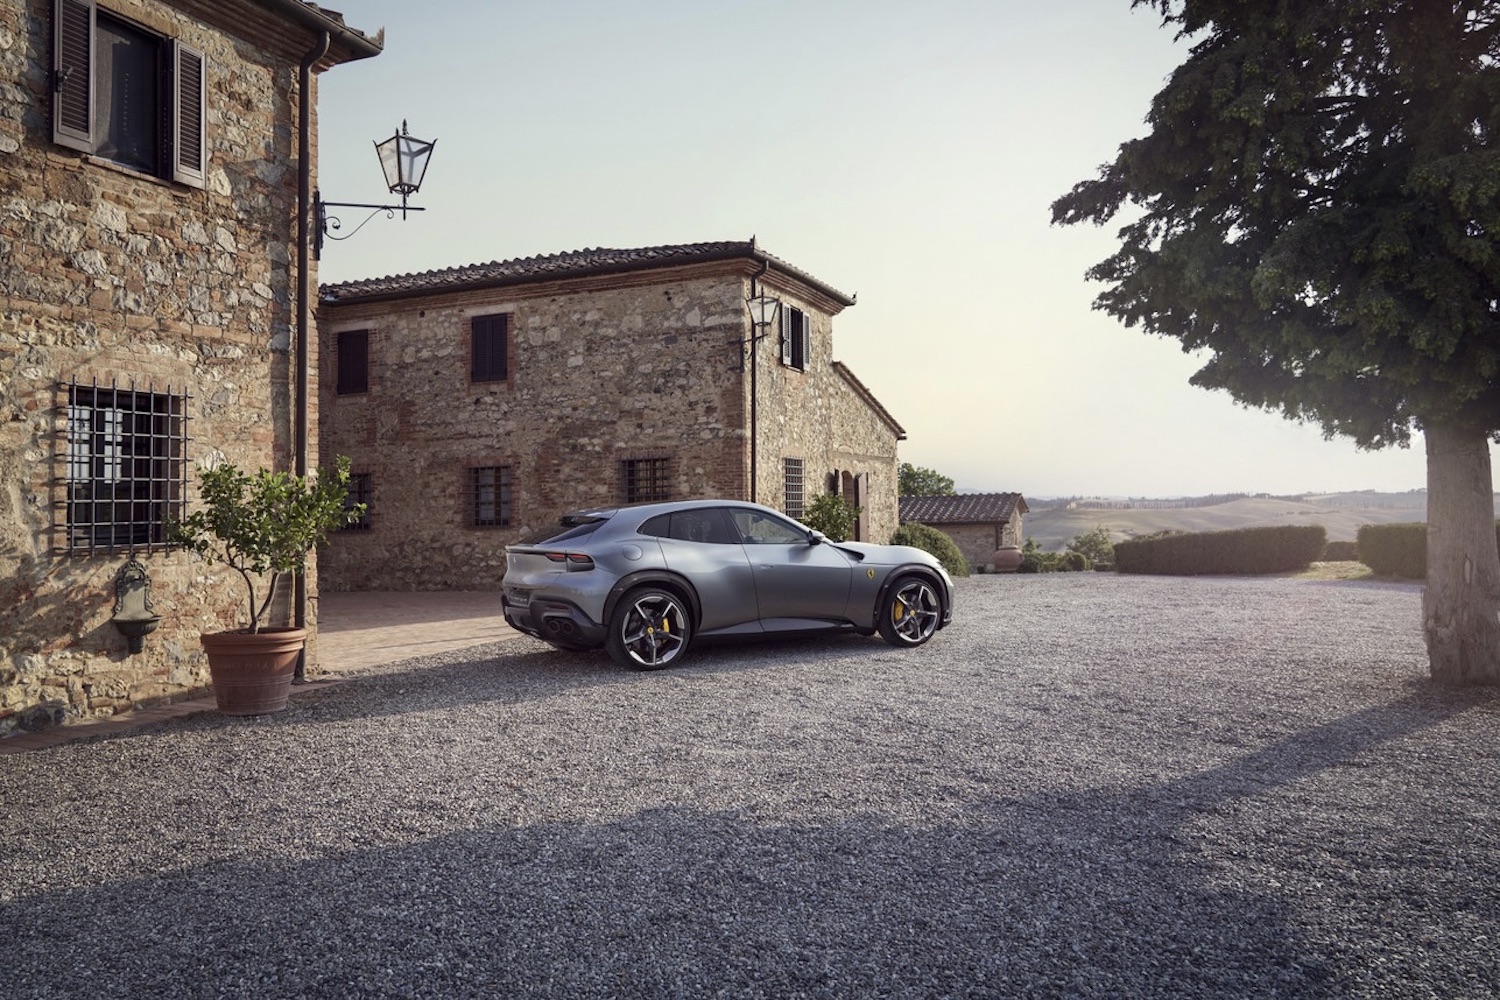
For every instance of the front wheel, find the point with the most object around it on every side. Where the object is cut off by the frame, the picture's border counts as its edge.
(909, 613)
(649, 630)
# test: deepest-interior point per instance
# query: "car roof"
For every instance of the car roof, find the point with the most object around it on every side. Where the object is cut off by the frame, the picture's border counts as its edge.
(664, 507)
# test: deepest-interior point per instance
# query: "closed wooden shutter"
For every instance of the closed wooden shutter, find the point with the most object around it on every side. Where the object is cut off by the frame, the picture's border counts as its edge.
(189, 146)
(487, 353)
(73, 74)
(353, 361)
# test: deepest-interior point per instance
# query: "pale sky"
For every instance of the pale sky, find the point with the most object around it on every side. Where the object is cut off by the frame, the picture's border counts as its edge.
(904, 151)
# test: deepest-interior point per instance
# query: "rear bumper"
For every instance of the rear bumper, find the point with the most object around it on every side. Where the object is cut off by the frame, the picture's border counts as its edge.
(554, 621)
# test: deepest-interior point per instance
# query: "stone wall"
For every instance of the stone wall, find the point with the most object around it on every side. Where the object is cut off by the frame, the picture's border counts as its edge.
(597, 376)
(110, 275)
(978, 542)
(601, 370)
(814, 414)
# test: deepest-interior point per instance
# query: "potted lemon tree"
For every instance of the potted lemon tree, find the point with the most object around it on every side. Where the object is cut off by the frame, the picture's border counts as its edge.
(261, 525)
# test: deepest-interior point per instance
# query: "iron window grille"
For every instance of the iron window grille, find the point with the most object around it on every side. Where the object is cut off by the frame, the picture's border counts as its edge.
(646, 480)
(360, 491)
(488, 348)
(353, 374)
(488, 493)
(124, 463)
(127, 94)
(796, 495)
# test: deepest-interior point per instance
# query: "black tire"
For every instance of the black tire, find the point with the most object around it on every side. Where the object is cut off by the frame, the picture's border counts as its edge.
(650, 629)
(909, 612)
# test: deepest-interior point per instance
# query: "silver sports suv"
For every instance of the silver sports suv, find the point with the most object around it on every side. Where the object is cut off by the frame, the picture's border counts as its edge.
(645, 581)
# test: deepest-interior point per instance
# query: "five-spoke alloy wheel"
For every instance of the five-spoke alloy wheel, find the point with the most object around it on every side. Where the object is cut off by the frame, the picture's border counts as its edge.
(910, 613)
(650, 629)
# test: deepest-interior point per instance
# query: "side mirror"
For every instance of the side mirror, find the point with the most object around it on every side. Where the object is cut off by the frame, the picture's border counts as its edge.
(815, 537)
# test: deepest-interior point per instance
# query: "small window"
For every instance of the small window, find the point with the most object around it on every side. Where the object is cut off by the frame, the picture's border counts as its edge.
(795, 494)
(353, 375)
(646, 480)
(487, 496)
(361, 491)
(796, 337)
(125, 466)
(126, 94)
(488, 348)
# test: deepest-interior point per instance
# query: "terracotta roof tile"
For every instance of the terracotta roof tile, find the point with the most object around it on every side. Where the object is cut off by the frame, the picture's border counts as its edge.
(966, 508)
(569, 264)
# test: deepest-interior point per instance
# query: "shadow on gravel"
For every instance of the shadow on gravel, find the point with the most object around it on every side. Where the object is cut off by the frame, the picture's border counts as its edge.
(1095, 893)
(495, 673)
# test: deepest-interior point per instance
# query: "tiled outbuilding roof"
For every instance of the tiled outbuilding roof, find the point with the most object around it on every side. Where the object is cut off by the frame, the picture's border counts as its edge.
(966, 508)
(571, 264)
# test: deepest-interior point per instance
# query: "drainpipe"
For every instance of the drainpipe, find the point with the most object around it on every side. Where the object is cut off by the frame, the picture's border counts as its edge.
(304, 303)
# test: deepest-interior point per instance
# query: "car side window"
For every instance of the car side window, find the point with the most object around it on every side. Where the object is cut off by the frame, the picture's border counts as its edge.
(659, 526)
(706, 526)
(761, 529)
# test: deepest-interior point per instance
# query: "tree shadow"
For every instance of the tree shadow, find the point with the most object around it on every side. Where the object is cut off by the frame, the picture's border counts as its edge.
(1098, 892)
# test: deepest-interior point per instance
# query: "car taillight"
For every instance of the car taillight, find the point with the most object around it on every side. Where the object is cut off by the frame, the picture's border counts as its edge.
(576, 562)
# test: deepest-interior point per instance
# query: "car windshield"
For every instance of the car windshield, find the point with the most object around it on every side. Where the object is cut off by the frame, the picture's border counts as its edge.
(570, 528)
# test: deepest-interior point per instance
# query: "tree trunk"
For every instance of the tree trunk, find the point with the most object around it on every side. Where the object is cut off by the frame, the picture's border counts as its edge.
(1461, 605)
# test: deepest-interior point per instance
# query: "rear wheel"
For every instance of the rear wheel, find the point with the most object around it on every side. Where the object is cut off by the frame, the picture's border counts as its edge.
(909, 613)
(649, 630)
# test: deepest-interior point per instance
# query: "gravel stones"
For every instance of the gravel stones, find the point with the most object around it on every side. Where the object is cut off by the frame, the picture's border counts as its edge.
(1090, 785)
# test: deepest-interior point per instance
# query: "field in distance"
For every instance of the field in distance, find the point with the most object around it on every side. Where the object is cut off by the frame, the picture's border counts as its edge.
(1054, 522)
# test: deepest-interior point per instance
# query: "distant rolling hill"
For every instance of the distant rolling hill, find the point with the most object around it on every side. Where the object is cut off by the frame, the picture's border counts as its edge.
(1054, 523)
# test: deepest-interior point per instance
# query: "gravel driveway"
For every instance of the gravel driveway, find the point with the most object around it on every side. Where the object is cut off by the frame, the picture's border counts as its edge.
(1089, 786)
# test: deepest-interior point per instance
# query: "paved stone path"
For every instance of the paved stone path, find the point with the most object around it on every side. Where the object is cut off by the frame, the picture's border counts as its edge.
(357, 630)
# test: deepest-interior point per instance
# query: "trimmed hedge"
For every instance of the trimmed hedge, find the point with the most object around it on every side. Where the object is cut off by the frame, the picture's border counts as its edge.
(1395, 549)
(1242, 551)
(1398, 549)
(932, 540)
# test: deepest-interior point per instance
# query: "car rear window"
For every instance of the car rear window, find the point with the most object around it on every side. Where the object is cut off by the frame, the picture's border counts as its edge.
(570, 528)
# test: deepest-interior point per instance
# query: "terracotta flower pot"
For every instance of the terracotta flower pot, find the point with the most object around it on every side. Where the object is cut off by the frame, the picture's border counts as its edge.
(252, 671)
(1007, 559)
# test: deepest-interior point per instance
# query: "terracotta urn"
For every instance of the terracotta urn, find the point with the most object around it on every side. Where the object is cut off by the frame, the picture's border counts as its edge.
(1007, 559)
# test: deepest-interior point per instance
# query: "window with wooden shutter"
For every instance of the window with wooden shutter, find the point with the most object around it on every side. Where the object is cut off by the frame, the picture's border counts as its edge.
(189, 97)
(73, 74)
(127, 94)
(488, 360)
(353, 375)
(795, 338)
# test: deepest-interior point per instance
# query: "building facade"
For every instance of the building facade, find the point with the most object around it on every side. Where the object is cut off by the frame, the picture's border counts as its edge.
(980, 524)
(477, 404)
(150, 153)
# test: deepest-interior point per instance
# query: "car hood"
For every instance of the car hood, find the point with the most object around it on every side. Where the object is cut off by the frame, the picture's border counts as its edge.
(886, 555)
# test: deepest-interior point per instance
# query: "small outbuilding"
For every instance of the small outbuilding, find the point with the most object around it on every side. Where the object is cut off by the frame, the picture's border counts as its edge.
(980, 524)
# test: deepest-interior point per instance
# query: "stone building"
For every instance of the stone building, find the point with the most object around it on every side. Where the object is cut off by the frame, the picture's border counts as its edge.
(479, 403)
(979, 523)
(150, 183)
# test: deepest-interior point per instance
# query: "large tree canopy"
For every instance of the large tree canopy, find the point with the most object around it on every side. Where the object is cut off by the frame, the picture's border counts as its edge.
(917, 481)
(1317, 208)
